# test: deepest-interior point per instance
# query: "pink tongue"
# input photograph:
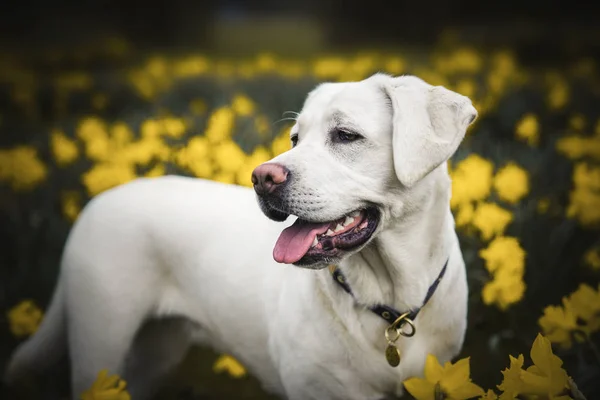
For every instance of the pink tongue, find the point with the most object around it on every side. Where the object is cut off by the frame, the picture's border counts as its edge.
(295, 240)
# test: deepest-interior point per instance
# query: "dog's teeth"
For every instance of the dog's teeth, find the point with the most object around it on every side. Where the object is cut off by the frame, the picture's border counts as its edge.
(355, 214)
(315, 242)
(339, 227)
(329, 232)
(348, 221)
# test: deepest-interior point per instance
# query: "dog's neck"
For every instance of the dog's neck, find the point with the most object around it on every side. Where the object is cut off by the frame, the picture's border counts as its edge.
(403, 261)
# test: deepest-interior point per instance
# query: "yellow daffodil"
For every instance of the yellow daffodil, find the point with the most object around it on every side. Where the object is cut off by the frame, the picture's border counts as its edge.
(558, 323)
(546, 377)
(578, 317)
(106, 388)
(528, 130)
(512, 384)
(262, 125)
(65, 150)
(451, 380)
(21, 168)
(471, 180)
(586, 305)
(394, 65)
(226, 363)
(511, 183)
(158, 170)
(491, 220)
(24, 318)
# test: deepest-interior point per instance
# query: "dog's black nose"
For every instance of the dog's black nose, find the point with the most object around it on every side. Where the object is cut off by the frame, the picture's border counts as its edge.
(267, 177)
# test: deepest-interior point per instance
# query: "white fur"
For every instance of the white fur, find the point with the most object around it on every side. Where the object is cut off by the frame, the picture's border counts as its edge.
(202, 252)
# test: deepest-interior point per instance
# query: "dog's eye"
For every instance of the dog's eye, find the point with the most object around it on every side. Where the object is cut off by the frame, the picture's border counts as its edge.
(346, 137)
(294, 140)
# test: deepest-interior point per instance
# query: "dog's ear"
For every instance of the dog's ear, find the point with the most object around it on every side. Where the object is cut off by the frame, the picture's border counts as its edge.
(429, 122)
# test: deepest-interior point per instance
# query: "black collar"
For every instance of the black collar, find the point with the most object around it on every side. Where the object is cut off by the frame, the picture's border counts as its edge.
(386, 312)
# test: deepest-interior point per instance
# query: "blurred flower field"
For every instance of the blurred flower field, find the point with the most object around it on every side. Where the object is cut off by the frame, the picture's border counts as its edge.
(526, 186)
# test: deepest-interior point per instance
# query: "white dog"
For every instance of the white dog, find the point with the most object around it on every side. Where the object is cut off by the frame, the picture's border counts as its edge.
(368, 181)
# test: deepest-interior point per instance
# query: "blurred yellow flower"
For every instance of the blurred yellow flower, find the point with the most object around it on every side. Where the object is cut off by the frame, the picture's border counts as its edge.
(158, 170)
(584, 199)
(243, 105)
(558, 323)
(21, 168)
(511, 183)
(120, 135)
(576, 147)
(226, 363)
(24, 318)
(504, 253)
(329, 67)
(196, 157)
(220, 125)
(491, 220)
(104, 176)
(174, 127)
(190, 66)
(592, 258)
(559, 92)
(71, 204)
(471, 180)
(505, 289)
(65, 150)
(528, 130)
(466, 87)
(228, 156)
(505, 261)
(106, 388)
(394, 65)
(451, 381)
(94, 133)
(586, 304)
(578, 317)
(465, 214)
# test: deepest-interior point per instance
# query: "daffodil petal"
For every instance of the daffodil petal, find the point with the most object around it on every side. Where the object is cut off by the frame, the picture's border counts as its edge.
(455, 375)
(433, 370)
(467, 390)
(420, 389)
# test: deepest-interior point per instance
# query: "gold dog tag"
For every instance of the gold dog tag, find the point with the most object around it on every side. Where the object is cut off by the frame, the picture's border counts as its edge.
(392, 355)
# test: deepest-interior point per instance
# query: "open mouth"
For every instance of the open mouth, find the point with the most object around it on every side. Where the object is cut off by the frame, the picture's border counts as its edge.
(305, 243)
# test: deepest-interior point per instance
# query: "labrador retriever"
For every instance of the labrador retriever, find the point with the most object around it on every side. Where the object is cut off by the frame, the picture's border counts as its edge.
(156, 265)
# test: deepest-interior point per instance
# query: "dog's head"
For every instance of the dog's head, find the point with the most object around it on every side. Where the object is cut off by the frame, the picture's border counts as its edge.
(359, 153)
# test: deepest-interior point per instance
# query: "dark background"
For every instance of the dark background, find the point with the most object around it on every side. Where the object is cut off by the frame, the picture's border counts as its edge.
(544, 35)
